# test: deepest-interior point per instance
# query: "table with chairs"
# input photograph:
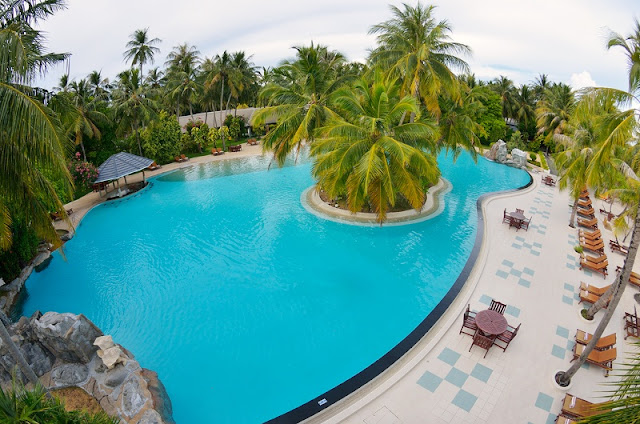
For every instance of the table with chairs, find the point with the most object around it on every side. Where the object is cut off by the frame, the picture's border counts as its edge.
(488, 327)
(516, 219)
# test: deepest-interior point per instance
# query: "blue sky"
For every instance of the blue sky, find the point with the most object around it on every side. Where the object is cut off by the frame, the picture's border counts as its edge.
(520, 39)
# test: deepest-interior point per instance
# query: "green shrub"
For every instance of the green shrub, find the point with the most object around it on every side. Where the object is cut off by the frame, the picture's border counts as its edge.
(533, 156)
(161, 140)
(23, 248)
(543, 161)
(516, 142)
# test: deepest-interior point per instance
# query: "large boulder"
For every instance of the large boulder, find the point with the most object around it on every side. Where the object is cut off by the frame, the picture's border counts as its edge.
(501, 151)
(69, 337)
(519, 158)
(69, 375)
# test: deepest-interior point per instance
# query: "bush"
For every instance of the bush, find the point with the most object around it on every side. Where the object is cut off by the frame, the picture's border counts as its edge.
(533, 156)
(83, 174)
(161, 140)
(236, 125)
(543, 161)
(22, 250)
(516, 142)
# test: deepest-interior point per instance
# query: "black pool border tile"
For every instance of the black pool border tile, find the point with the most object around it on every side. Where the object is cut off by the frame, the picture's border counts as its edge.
(322, 402)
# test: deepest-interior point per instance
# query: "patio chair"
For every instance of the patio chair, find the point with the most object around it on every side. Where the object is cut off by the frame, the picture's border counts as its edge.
(586, 213)
(565, 419)
(588, 223)
(595, 246)
(599, 291)
(631, 325)
(469, 322)
(584, 194)
(184, 158)
(600, 358)
(497, 306)
(506, 337)
(483, 342)
(153, 166)
(177, 159)
(525, 224)
(588, 297)
(584, 203)
(605, 342)
(617, 247)
(590, 235)
(573, 406)
(599, 267)
(520, 211)
(505, 217)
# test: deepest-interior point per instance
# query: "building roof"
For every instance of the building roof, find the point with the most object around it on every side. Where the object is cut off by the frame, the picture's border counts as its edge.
(121, 164)
(218, 117)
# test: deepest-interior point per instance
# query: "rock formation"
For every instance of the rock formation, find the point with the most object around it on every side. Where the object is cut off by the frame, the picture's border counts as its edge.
(60, 349)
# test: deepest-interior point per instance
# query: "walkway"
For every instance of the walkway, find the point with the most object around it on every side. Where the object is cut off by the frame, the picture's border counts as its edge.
(537, 274)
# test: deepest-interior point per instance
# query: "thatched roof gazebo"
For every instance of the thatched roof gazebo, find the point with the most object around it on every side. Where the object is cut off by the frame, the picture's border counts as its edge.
(120, 165)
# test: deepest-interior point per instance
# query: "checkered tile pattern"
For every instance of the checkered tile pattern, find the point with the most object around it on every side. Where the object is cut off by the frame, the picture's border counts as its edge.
(521, 244)
(521, 276)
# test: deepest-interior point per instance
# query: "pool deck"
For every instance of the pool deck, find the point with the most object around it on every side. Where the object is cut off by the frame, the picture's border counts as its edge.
(536, 273)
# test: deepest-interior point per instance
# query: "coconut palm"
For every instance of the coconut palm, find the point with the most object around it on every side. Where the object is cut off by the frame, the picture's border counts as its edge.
(300, 100)
(507, 91)
(182, 87)
(620, 128)
(540, 86)
(554, 110)
(141, 49)
(369, 157)
(131, 104)
(418, 51)
(524, 110)
(31, 141)
(99, 86)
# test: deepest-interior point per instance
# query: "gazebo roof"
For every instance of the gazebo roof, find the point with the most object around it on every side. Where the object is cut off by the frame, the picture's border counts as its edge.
(121, 164)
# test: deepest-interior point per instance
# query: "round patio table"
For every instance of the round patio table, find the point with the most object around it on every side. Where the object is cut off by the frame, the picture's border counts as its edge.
(517, 215)
(491, 322)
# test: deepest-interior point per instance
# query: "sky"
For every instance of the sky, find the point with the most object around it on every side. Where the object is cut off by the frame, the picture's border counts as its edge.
(565, 39)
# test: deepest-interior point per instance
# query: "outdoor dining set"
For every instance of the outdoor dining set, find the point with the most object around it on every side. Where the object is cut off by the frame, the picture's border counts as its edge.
(516, 219)
(489, 327)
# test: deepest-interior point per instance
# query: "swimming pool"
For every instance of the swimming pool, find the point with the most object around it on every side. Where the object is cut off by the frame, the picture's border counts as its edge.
(246, 304)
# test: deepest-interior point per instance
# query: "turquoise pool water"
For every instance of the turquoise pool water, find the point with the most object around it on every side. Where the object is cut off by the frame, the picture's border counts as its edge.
(246, 304)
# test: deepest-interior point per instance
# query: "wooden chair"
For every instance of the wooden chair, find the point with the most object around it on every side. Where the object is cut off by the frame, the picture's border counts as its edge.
(469, 322)
(605, 342)
(590, 235)
(497, 306)
(617, 247)
(631, 325)
(184, 158)
(599, 291)
(596, 246)
(565, 419)
(525, 224)
(584, 203)
(588, 223)
(573, 406)
(600, 358)
(153, 166)
(600, 266)
(506, 337)
(520, 211)
(483, 342)
(505, 217)
(586, 213)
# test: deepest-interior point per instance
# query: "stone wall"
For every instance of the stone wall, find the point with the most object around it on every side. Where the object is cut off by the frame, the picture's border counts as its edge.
(60, 349)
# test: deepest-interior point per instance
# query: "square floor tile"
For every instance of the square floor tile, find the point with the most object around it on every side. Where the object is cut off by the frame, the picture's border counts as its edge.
(562, 332)
(544, 401)
(528, 271)
(507, 263)
(515, 272)
(534, 253)
(513, 311)
(570, 344)
(449, 356)
(567, 299)
(430, 381)
(551, 419)
(519, 238)
(500, 273)
(464, 400)
(456, 377)
(485, 300)
(568, 286)
(524, 283)
(558, 351)
(481, 372)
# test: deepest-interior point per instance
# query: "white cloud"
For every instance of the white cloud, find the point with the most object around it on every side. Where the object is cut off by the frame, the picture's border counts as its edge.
(581, 80)
(517, 39)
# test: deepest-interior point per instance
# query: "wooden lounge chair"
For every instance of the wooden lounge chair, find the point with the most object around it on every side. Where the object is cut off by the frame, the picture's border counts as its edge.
(599, 267)
(588, 223)
(497, 306)
(573, 406)
(483, 342)
(631, 325)
(605, 342)
(153, 166)
(593, 289)
(565, 419)
(600, 358)
(178, 159)
(506, 337)
(588, 297)
(584, 195)
(590, 235)
(214, 151)
(587, 213)
(56, 216)
(469, 322)
(184, 158)
(617, 247)
(253, 142)
(595, 246)
(584, 203)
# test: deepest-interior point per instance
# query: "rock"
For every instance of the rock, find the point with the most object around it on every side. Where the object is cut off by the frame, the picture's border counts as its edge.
(159, 395)
(132, 398)
(150, 417)
(69, 374)
(69, 337)
(109, 352)
(42, 261)
(104, 342)
(41, 360)
(1, 282)
(519, 158)
(116, 376)
(501, 151)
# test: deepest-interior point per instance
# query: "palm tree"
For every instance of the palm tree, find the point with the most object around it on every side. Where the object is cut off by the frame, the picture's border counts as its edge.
(524, 110)
(84, 116)
(217, 74)
(31, 139)
(418, 51)
(554, 110)
(99, 86)
(243, 75)
(507, 91)
(300, 100)
(182, 86)
(141, 49)
(621, 129)
(132, 106)
(540, 86)
(368, 156)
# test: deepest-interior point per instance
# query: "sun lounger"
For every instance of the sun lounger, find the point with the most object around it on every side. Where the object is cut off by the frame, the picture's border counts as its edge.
(599, 267)
(605, 342)
(253, 142)
(579, 408)
(178, 159)
(596, 246)
(55, 216)
(600, 358)
(617, 247)
(153, 166)
(634, 278)
(591, 235)
(584, 203)
(588, 297)
(593, 289)
(565, 419)
(587, 213)
(184, 158)
(214, 151)
(588, 223)
(584, 195)
(631, 325)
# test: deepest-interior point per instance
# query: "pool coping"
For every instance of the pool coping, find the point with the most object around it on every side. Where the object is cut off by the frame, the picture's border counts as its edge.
(342, 398)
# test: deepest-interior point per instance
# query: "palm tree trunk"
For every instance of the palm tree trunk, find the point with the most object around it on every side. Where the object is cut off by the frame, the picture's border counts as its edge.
(222, 93)
(15, 352)
(564, 378)
(191, 110)
(135, 128)
(574, 209)
(84, 155)
(228, 101)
